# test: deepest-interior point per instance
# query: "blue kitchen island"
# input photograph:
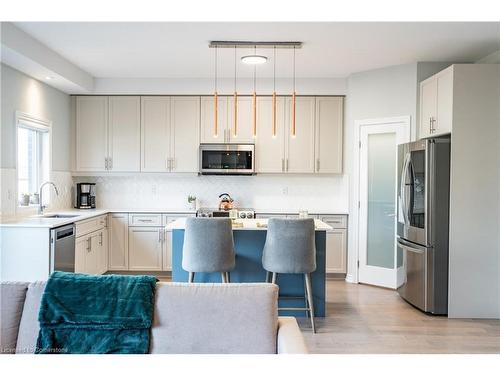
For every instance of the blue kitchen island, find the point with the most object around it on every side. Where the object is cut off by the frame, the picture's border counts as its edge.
(249, 239)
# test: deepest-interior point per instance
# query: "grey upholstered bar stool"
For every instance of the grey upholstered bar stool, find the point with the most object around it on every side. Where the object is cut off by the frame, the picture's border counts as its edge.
(208, 246)
(291, 248)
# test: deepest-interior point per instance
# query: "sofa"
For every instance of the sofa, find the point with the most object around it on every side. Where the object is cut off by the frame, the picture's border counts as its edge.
(188, 318)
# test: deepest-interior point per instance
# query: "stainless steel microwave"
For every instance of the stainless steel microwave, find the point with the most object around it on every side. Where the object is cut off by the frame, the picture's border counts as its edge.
(227, 159)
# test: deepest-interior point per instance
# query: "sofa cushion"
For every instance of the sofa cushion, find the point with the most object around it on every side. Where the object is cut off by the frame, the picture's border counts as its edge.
(29, 327)
(12, 295)
(215, 318)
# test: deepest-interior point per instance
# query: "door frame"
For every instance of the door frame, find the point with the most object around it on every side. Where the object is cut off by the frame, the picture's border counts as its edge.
(353, 261)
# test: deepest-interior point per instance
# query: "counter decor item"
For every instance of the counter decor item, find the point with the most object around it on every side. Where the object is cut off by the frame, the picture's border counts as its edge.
(34, 198)
(226, 202)
(25, 199)
(192, 201)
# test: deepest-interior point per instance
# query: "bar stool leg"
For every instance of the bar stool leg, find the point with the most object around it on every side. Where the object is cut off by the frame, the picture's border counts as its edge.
(310, 300)
(268, 277)
(228, 277)
(191, 277)
(273, 278)
(223, 274)
(306, 304)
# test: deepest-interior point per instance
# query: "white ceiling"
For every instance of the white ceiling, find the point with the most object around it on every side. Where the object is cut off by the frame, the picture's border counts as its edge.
(180, 50)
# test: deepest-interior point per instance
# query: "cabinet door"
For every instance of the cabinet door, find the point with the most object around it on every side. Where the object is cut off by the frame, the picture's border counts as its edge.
(329, 138)
(444, 102)
(208, 120)
(269, 147)
(91, 133)
(336, 251)
(155, 133)
(244, 120)
(185, 133)
(103, 252)
(124, 133)
(428, 106)
(145, 248)
(300, 148)
(82, 247)
(118, 242)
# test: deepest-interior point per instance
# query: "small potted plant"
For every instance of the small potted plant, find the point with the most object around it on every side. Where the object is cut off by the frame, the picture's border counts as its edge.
(192, 202)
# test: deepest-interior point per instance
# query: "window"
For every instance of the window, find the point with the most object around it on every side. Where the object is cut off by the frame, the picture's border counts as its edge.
(33, 157)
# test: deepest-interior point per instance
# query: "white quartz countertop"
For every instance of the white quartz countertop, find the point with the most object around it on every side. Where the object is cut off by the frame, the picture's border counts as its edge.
(247, 224)
(37, 221)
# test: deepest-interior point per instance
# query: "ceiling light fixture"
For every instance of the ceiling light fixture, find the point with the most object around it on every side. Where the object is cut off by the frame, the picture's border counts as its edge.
(48, 78)
(253, 59)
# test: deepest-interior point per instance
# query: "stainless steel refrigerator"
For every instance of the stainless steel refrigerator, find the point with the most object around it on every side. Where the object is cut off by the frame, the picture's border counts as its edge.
(423, 223)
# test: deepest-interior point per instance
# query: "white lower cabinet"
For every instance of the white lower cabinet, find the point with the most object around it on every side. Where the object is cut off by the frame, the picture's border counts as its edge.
(118, 242)
(145, 248)
(336, 243)
(167, 243)
(91, 253)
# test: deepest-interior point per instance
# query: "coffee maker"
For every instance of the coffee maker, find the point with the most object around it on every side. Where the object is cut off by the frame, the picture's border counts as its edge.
(85, 195)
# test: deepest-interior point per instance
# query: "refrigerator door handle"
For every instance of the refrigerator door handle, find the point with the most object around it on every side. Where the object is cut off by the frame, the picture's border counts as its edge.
(403, 188)
(414, 248)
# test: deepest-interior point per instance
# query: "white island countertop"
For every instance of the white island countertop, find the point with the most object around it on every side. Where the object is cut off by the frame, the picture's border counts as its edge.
(247, 224)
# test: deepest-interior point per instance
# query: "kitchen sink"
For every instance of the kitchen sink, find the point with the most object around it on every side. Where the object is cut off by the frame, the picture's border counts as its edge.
(57, 216)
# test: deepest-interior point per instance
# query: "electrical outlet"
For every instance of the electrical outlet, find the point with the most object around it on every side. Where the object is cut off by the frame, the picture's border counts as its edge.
(153, 189)
(284, 191)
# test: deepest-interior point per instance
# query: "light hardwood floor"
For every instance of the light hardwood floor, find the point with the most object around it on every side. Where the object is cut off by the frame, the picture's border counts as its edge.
(367, 319)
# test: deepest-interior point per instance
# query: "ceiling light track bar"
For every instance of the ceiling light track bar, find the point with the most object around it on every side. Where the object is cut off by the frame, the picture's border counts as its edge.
(248, 44)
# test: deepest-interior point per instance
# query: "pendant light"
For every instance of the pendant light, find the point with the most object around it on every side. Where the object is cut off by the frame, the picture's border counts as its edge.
(254, 97)
(216, 99)
(274, 93)
(235, 100)
(294, 99)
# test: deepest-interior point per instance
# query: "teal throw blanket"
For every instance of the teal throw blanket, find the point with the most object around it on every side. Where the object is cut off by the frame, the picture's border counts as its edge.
(96, 314)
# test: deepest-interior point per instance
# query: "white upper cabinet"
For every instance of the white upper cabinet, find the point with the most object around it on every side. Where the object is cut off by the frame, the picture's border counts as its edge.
(270, 147)
(244, 120)
(124, 134)
(208, 133)
(91, 133)
(436, 104)
(329, 133)
(300, 147)
(155, 131)
(185, 133)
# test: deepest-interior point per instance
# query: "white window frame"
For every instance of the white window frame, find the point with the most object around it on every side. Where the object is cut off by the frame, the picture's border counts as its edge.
(26, 120)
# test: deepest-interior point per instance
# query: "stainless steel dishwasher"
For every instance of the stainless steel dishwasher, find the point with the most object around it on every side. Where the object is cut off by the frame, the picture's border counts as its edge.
(62, 248)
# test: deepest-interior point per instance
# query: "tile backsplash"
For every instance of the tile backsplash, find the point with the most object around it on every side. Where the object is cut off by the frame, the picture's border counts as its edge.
(272, 193)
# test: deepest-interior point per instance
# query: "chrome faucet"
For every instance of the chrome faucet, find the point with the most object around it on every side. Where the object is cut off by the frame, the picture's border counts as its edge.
(41, 207)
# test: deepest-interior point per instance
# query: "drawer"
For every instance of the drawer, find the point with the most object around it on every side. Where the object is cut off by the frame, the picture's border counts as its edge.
(335, 221)
(168, 218)
(144, 220)
(90, 225)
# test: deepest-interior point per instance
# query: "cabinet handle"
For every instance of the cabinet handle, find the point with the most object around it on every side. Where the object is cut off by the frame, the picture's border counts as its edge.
(167, 164)
(159, 235)
(145, 220)
(106, 163)
(286, 165)
(100, 240)
(110, 163)
(89, 244)
(282, 165)
(172, 164)
(317, 165)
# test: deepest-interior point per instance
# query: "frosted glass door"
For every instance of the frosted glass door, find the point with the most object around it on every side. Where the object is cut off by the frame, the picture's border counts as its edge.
(381, 203)
(378, 158)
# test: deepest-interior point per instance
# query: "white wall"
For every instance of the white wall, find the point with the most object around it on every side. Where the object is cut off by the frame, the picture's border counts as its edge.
(474, 278)
(23, 93)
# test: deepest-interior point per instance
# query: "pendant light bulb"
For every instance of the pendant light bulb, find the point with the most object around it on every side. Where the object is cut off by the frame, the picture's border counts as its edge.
(274, 93)
(294, 99)
(216, 99)
(235, 100)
